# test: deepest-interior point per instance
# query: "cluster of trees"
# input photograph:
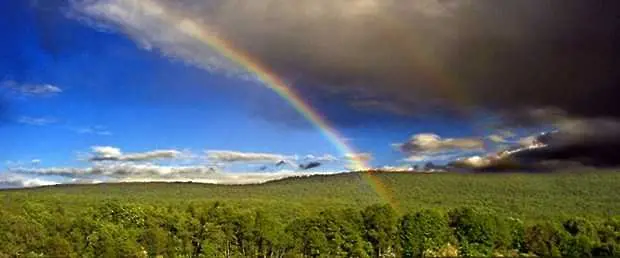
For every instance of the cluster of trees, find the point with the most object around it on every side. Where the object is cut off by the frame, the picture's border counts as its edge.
(119, 229)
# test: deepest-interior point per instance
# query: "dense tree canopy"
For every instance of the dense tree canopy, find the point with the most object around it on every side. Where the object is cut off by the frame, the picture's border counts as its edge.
(213, 229)
(567, 214)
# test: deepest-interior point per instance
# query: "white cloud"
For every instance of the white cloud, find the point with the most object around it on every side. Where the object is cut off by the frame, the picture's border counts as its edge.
(236, 156)
(429, 147)
(108, 153)
(499, 159)
(428, 143)
(36, 121)
(111, 164)
(496, 138)
(474, 162)
(151, 155)
(20, 181)
(528, 140)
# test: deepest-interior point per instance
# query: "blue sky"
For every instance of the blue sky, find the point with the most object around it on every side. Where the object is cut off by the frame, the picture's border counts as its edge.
(147, 101)
(77, 77)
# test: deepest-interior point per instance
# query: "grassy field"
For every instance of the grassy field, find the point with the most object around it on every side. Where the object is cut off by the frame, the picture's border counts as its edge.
(591, 194)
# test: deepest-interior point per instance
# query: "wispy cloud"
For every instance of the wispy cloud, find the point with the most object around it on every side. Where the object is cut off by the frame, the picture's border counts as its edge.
(36, 121)
(31, 89)
(94, 130)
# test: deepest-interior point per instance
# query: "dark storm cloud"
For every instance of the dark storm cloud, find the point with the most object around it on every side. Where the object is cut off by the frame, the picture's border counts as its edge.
(405, 56)
(576, 143)
(592, 142)
(494, 54)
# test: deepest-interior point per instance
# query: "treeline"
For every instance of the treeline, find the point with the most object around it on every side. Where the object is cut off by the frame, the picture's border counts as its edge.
(118, 229)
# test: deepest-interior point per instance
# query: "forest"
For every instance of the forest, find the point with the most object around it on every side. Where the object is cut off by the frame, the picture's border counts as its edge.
(115, 229)
(196, 220)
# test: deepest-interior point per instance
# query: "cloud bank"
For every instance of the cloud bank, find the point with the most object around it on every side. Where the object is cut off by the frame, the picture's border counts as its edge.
(110, 164)
(131, 172)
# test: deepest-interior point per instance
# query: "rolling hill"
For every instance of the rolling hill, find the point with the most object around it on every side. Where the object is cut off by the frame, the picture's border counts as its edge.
(591, 193)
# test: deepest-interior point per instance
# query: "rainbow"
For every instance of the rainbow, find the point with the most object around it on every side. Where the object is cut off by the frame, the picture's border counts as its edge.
(274, 83)
(205, 35)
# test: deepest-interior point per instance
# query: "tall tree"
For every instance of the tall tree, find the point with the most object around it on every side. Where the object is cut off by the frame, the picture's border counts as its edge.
(380, 224)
